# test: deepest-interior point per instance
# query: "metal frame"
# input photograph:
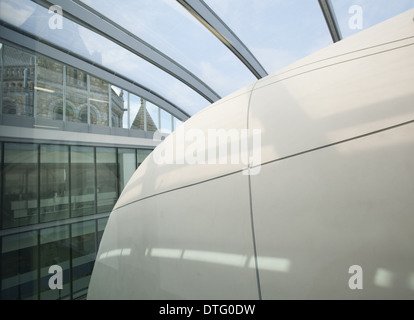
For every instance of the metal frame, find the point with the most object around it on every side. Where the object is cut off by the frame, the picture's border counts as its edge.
(9, 35)
(98, 23)
(215, 25)
(330, 19)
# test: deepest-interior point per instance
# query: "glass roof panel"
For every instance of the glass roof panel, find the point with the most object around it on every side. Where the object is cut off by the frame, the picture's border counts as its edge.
(171, 29)
(277, 32)
(354, 16)
(34, 19)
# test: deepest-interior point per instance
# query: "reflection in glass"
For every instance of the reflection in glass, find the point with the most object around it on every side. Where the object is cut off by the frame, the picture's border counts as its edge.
(184, 39)
(99, 102)
(83, 255)
(102, 51)
(127, 165)
(106, 179)
(135, 110)
(119, 108)
(82, 181)
(19, 263)
(76, 95)
(18, 82)
(140, 118)
(54, 182)
(54, 250)
(49, 90)
(20, 185)
(154, 114)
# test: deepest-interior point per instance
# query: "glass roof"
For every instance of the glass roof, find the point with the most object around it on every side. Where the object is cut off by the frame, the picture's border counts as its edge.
(168, 27)
(277, 32)
(34, 19)
(353, 17)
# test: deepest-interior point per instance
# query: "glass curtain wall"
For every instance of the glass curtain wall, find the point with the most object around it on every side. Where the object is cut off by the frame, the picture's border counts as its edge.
(19, 266)
(43, 183)
(54, 182)
(34, 86)
(82, 181)
(46, 184)
(20, 192)
(49, 102)
(99, 101)
(127, 165)
(107, 188)
(76, 96)
(83, 255)
(54, 249)
(18, 77)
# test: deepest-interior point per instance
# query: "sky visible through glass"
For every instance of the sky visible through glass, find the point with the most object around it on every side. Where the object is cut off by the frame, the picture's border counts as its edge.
(277, 32)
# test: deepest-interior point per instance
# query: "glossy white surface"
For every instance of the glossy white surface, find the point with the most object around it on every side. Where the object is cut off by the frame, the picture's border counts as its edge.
(335, 189)
(180, 245)
(154, 178)
(327, 210)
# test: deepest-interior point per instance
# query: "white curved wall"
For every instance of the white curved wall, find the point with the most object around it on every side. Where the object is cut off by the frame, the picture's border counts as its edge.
(334, 189)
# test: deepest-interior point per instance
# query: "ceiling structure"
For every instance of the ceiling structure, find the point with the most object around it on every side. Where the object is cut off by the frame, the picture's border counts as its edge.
(183, 55)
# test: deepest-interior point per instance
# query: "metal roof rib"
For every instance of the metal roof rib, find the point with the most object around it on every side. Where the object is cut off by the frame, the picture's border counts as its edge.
(202, 12)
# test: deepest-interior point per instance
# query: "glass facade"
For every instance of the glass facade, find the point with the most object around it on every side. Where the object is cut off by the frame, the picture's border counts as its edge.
(106, 174)
(18, 78)
(55, 197)
(61, 195)
(20, 185)
(57, 96)
(54, 186)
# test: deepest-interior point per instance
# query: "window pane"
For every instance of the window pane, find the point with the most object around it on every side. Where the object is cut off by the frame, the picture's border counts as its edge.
(107, 179)
(166, 122)
(49, 88)
(135, 106)
(54, 182)
(83, 255)
(34, 19)
(99, 101)
(138, 122)
(127, 166)
(20, 185)
(141, 155)
(18, 82)
(170, 28)
(101, 228)
(119, 108)
(76, 95)
(19, 265)
(153, 121)
(82, 181)
(54, 250)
